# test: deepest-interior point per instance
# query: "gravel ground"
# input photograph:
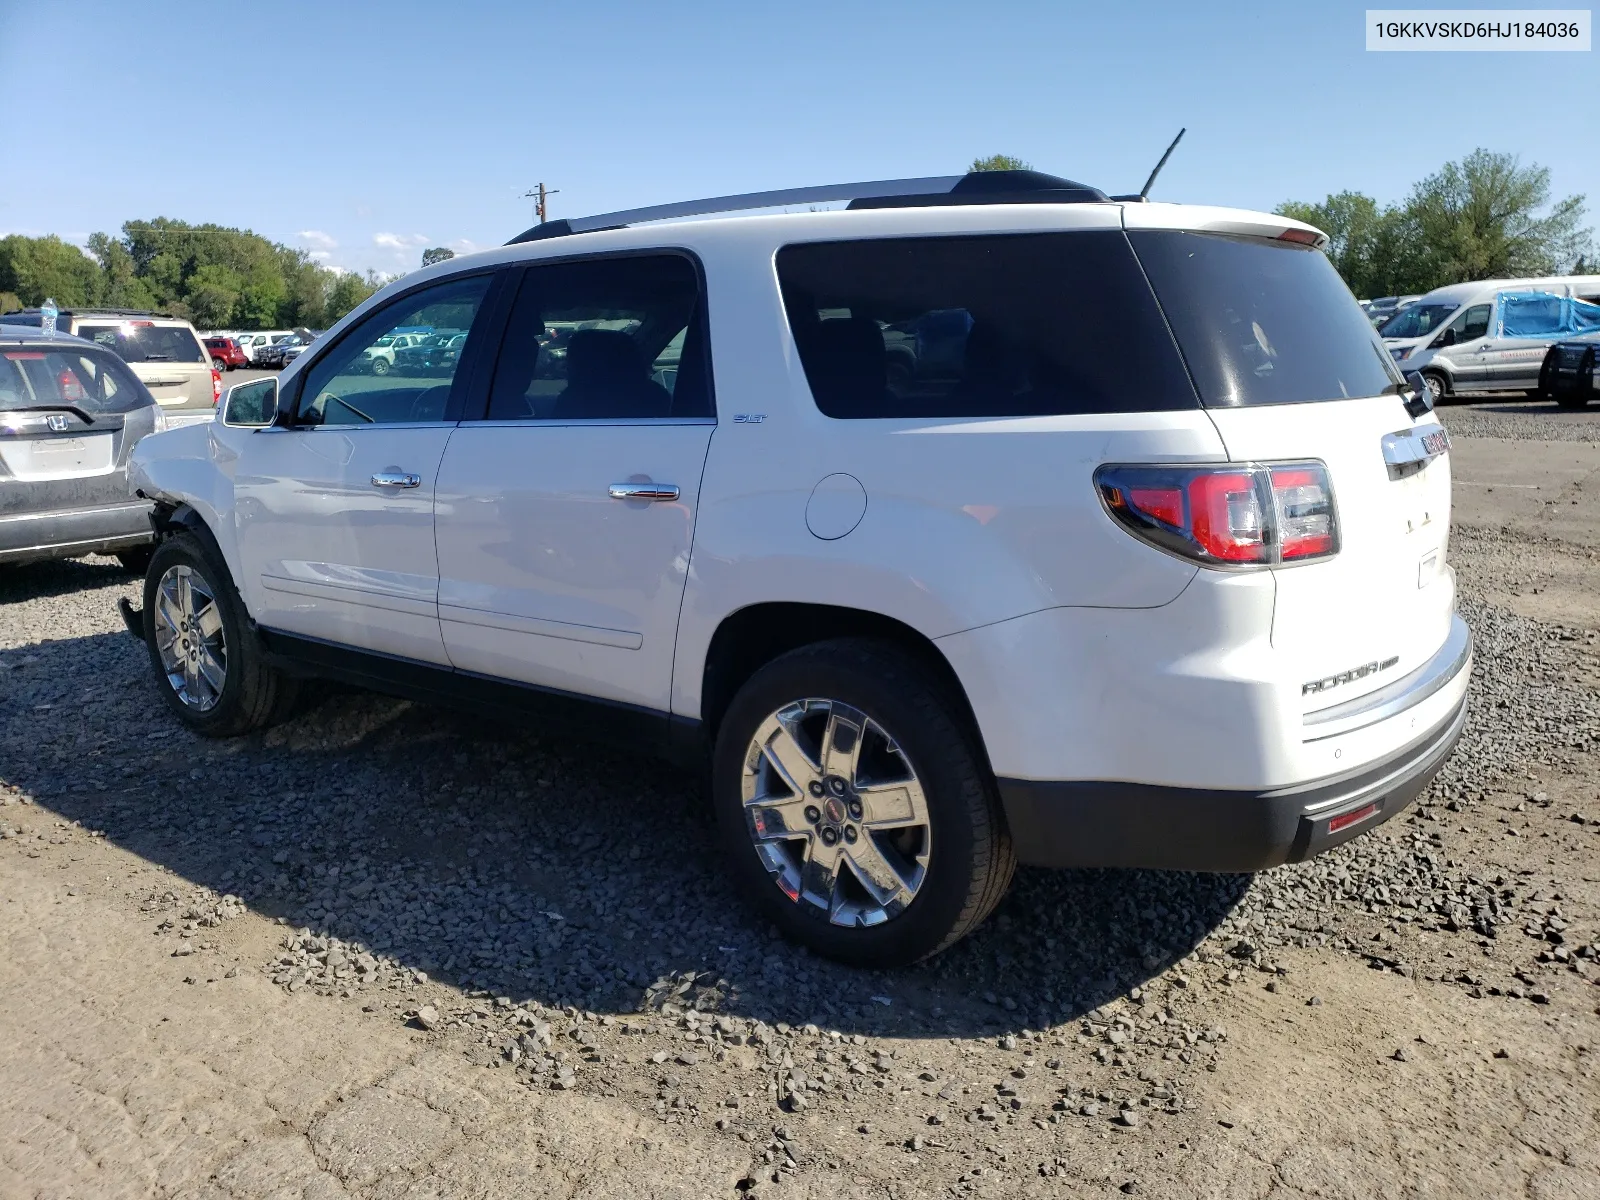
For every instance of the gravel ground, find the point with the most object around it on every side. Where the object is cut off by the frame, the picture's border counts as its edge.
(1519, 419)
(520, 956)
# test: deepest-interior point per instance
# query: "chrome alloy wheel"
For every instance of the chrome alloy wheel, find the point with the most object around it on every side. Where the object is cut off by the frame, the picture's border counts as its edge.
(836, 812)
(189, 638)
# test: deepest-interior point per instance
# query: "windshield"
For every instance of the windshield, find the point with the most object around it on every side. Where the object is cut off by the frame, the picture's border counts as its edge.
(89, 381)
(1417, 321)
(1263, 322)
(135, 342)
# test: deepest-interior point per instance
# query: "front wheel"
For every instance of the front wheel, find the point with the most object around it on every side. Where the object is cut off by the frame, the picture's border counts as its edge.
(207, 661)
(1438, 387)
(854, 807)
(380, 366)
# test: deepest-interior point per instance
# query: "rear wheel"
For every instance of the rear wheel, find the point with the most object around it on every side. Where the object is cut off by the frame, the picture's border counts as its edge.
(207, 661)
(854, 807)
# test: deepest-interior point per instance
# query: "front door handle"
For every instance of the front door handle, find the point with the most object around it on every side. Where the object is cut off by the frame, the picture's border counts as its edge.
(644, 491)
(396, 479)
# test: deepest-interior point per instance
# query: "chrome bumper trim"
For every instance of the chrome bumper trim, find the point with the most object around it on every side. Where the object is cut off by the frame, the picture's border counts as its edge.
(1431, 677)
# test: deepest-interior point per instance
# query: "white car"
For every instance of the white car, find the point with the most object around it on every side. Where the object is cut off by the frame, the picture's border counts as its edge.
(378, 358)
(1457, 337)
(1146, 570)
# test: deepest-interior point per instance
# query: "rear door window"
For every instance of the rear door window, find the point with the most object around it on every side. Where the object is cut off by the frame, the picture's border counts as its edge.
(618, 339)
(1263, 322)
(991, 326)
(140, 341)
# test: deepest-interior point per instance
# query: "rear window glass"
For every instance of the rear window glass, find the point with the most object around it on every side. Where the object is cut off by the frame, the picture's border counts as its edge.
(40, 377)
(1263, 322)
(993, 326)
(146, 343)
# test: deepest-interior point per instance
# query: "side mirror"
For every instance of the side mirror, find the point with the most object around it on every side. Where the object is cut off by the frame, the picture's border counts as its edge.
(1447, 338)
(252, 405)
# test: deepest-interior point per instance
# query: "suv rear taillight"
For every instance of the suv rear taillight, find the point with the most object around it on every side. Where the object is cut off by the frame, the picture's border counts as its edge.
(216, 387)
(1235, 515)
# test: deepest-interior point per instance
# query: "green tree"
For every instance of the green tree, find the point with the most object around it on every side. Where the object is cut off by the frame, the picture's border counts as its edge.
(47, 267)
(1482, 218)
(10, 302)
(349, 290)
(1488, 217)
(120, 287)
(213, 294)
(437, 254)
(1000, 162)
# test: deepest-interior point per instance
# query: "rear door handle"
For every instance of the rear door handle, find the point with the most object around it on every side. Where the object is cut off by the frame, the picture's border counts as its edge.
(644, 491)
(396, 479)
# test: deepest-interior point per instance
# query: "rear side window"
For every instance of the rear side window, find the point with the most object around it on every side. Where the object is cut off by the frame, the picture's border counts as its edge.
(92, 383)
(993, 326)
(1263, 322)
(604, 339)
(140, 341)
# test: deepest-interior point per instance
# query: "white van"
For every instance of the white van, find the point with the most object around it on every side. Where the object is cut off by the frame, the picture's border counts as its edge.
(1454, 335)
(254, 343)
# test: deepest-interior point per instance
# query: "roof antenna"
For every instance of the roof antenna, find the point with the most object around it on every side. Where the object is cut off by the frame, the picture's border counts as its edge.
(1144, 193)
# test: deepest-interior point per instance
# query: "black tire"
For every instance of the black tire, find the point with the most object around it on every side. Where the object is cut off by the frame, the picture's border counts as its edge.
(970, 862)
(137, 560)
(253, 694)
(218, 365)
(1439, 384)
(1577, 397)
(381, 366)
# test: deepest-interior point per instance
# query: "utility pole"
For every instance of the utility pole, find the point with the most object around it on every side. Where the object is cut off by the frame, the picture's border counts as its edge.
(539, 198)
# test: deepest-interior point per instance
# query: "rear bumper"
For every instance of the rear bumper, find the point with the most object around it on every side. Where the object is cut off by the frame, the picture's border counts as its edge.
(67, 534)
(1098, 824)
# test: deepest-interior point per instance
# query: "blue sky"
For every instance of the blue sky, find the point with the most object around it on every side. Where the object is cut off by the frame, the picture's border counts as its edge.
(363, 132)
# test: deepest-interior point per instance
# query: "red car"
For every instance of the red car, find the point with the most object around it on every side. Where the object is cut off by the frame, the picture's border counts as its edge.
(226, 354)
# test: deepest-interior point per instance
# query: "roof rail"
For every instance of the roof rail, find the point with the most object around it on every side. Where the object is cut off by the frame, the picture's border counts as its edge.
(975, 187)
(79, 309)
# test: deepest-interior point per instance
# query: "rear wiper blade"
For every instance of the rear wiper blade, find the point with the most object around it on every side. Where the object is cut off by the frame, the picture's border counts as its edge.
(156, 358)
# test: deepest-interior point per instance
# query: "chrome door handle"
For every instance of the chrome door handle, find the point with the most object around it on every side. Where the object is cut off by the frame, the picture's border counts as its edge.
(644, 491)
(396, 479)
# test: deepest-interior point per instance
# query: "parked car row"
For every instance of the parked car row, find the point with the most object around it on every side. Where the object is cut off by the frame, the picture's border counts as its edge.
(269, 348)
(1380, 310)
(1491, 336)
(164, 352)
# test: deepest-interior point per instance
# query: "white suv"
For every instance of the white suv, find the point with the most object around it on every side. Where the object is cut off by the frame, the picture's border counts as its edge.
(1142, 564)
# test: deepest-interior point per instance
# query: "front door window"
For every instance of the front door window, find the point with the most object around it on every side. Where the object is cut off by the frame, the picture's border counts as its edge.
(367, 380)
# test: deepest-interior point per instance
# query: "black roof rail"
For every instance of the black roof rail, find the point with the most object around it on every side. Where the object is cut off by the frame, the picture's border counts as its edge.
(79, 310)
(975, 187)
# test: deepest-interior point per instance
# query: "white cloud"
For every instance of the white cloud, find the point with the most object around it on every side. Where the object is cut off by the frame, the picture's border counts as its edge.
(318, 239)
(399, 241)
(464, 246)
(321, 256)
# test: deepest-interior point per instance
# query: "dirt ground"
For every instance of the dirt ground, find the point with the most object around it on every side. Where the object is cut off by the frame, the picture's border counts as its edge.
(520, 995)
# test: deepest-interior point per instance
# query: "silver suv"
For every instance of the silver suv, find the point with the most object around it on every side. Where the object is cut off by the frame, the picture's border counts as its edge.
(70, 414)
